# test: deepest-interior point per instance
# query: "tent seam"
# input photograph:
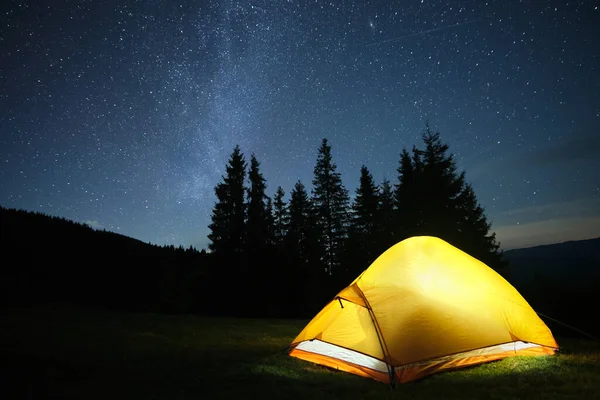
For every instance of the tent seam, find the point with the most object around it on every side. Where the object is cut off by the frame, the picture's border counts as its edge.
(382, 341)
(473, 349)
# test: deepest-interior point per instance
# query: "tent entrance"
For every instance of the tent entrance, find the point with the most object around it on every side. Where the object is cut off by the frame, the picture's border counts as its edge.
(342, 359)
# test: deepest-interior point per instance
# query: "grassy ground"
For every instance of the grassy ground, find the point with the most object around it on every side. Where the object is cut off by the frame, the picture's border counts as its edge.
(69, 353)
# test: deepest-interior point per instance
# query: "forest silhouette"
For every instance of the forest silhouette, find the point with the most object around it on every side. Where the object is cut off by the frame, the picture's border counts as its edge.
(267, 257)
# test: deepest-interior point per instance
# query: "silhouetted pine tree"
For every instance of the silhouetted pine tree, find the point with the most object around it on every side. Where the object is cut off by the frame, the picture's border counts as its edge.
(270, 224)
(362, 240)
(281, 217)
(303, 266)
(386, 223)
(227, 227)
(408, 196)
(260, 282)
(258, 227)
(440, 186)
(330, 205)
(364, 207)
(475, 236)
(446, 206)
(299, 224)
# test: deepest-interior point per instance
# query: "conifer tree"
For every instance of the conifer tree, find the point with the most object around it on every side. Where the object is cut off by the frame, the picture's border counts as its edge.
(330, 206)
(439, 186)
(270, 223)
(227, 227)
(303, 254)
(227, 233)
(476, 237)
(261, 279)
(364, 207)
(299, 213)
(385, 222)
(432, 189)
(408, 196)
(258, 221)
(280, 217)
(362, 241)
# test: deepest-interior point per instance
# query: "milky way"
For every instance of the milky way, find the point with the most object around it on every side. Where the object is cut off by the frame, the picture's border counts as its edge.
(123, 115)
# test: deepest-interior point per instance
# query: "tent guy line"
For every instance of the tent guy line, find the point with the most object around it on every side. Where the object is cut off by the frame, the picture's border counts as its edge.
(589, 335)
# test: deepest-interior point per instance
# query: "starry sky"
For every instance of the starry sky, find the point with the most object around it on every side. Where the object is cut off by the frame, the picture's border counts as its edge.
(123, 114)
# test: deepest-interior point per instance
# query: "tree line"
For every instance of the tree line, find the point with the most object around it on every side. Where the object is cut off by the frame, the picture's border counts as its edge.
(284, 256)
(273, 257)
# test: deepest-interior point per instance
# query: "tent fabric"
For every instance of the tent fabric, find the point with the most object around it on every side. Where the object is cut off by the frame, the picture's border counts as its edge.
(423, 306)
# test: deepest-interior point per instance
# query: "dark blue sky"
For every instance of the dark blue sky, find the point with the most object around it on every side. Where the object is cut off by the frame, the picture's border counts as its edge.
(123, 114)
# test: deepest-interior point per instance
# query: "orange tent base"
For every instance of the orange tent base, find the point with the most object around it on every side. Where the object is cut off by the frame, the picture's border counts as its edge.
(420, 370)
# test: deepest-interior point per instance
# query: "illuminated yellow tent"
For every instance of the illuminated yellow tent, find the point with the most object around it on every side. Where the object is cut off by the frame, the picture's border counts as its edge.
(422, 307)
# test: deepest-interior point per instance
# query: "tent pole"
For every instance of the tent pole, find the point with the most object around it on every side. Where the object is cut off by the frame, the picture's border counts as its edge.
(391, 373)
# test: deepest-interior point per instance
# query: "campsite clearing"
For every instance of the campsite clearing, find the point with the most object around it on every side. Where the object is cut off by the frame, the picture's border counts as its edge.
(62, 352)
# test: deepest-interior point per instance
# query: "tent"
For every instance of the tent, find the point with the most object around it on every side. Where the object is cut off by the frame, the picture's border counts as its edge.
(423, 306)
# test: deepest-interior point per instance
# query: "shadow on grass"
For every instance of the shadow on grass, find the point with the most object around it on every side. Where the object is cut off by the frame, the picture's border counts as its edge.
(561, 377)
(80, 355)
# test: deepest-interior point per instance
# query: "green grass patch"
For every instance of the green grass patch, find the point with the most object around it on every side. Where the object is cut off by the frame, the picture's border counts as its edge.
(59, 352)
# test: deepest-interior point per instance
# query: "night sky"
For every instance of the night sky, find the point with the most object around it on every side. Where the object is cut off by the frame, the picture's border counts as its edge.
(123, 114)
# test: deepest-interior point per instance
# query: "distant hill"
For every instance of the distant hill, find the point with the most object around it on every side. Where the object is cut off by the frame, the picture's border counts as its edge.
(561, 281)
(573, 263)
(51, 259)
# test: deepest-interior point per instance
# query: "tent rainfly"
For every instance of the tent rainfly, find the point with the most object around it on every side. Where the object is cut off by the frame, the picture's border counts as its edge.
(422, 307)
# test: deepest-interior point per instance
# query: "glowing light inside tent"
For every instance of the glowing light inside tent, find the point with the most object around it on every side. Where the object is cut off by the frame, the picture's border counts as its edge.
(432, 307)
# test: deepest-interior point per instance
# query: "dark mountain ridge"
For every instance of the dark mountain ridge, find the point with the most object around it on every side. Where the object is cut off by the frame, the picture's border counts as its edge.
(572, 263)
(561, 281)
(49, 259)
